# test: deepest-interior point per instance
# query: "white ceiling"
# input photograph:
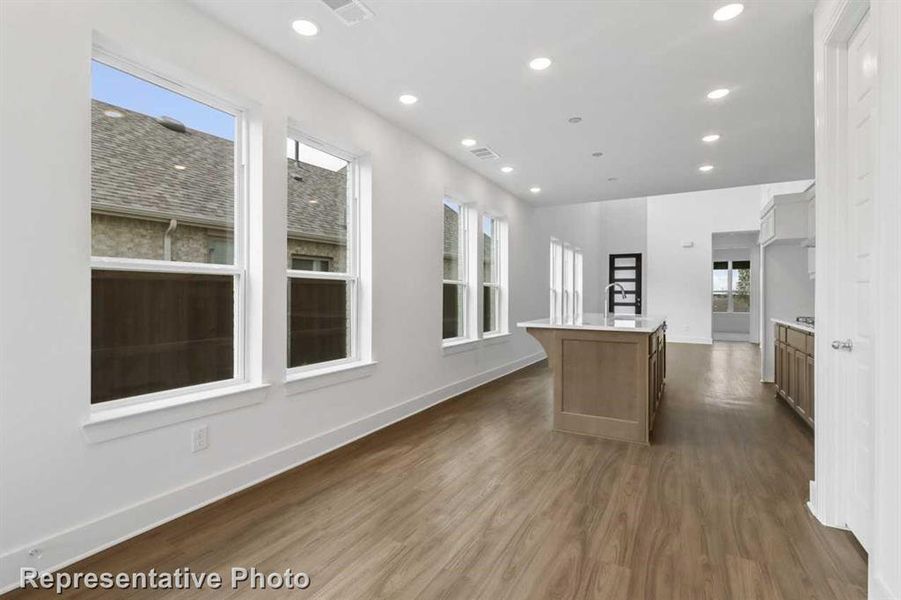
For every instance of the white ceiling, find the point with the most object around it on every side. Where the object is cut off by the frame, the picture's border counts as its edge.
(637, 73)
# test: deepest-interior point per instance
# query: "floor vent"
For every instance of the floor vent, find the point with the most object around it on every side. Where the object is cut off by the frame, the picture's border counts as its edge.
(484, 153)
(350, 12)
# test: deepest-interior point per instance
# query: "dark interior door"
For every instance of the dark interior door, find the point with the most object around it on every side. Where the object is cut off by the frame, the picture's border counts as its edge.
(625, 269)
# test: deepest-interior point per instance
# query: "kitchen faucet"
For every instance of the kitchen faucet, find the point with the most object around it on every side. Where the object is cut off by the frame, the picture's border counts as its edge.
(607, 297)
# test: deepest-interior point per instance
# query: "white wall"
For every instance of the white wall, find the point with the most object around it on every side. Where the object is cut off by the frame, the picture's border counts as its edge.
(69, 496)
(788, 293)
(679, 279)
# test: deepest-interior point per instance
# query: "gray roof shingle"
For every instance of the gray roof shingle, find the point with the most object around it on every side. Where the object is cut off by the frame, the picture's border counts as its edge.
(132, 172)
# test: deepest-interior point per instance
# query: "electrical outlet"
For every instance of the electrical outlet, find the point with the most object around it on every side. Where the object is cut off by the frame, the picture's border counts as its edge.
(200, 438)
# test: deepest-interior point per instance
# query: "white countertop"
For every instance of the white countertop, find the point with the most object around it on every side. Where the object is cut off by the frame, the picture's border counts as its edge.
(596, 322)
(794, 325)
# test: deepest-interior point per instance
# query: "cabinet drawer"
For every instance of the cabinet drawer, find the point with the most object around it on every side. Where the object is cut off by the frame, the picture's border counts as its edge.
(796, 339)
(810, 343)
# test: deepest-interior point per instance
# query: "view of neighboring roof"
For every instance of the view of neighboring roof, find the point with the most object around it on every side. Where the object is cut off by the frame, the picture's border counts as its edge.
(133, 173)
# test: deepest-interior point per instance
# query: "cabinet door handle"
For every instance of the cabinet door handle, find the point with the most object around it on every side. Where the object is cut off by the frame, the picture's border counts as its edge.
(843, 345)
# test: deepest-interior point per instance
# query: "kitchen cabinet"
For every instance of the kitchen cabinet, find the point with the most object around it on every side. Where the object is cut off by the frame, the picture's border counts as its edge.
(795, 381)
(784, 219)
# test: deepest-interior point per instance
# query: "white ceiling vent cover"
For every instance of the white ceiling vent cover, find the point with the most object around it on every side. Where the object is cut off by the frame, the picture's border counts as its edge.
(350, 12)
(484, 153)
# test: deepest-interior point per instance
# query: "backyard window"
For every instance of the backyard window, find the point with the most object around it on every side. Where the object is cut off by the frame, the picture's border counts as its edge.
(455, 288)
(323, 282)
(167, 266)
(732, 286)
(494, 296)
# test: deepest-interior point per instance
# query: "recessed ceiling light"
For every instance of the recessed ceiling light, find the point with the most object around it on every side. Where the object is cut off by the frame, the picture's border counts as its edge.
(540, 63)
(575, 119)
(718, 93)
(507, 169)
(468, 142)
(408, 99)
(730, 11)
(115, 114)
(179, 167)
(305, 28)
(535, 189)
(597, 154)
(705, 168)
(710, 138)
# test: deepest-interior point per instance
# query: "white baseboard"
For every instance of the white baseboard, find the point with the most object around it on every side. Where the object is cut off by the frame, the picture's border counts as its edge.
(675, 339)
(724, 336)
(812, 507)
(73, 545)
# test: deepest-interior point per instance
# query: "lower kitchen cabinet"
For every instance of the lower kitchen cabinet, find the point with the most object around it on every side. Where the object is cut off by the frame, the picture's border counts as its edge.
(795, 369)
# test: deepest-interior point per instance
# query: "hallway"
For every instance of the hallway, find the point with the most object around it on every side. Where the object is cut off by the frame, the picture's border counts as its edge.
(478, 498)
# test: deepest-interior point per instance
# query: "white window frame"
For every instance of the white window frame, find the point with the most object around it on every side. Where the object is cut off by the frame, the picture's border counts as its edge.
(577, 283)
(556, 280)
(500, 258)
(729, 291)
(469, 270)
(238, 270)
(351, 275)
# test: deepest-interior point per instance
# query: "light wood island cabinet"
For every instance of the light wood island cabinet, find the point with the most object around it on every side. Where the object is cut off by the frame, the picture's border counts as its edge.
(608, 373)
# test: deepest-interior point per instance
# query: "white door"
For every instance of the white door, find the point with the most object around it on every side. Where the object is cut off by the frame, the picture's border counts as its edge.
(857, 282)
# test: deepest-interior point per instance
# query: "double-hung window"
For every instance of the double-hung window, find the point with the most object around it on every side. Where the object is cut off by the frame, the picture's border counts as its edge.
(732, 286)
(565, 281)
(323, 255)
(455, 302)
(556, 280)
(494, 275)
(168, 266)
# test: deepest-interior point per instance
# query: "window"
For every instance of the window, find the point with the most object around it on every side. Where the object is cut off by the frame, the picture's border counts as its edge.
(168, 265)
(455, 288)
(323, 279)
(565, 281)
(556, 280)
(732, 286)
(311, 263)
(494, 293)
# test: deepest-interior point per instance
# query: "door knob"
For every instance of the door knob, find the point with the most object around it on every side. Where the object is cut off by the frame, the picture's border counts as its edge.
(842, 345)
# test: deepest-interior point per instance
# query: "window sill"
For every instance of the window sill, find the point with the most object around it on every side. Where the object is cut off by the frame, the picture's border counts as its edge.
(458, 346)
(108, 424)
(305, 381)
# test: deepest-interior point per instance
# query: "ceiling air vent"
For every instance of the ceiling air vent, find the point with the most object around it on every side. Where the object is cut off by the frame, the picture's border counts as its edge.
(484, 153)
(350, 12)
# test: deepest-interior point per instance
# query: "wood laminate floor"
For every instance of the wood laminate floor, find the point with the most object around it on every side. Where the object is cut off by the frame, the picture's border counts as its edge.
(478, 498)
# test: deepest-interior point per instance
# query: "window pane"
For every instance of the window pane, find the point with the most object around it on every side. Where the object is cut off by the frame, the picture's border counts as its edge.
(318, 193)
(159, 331)
(452, 311)
(162, 172)
(489, 249)
(720, 286)
(310, 263)
(453, 249)
(318, 321)
(741, 286)
(490, 308)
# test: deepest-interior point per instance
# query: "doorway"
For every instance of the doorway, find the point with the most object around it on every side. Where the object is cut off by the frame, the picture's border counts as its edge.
(625, 269)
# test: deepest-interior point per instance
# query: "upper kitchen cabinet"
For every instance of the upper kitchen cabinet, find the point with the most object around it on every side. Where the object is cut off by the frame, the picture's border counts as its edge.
(785, 218)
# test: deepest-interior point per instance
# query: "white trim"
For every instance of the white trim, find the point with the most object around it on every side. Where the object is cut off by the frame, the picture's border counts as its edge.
(834, 22)
(326, 375)
(728, 336)
(79, 542)
(675, 339)
(458, 345)
(120, 421)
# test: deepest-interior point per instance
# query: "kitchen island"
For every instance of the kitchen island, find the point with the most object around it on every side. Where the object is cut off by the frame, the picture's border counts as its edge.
(608, 373)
